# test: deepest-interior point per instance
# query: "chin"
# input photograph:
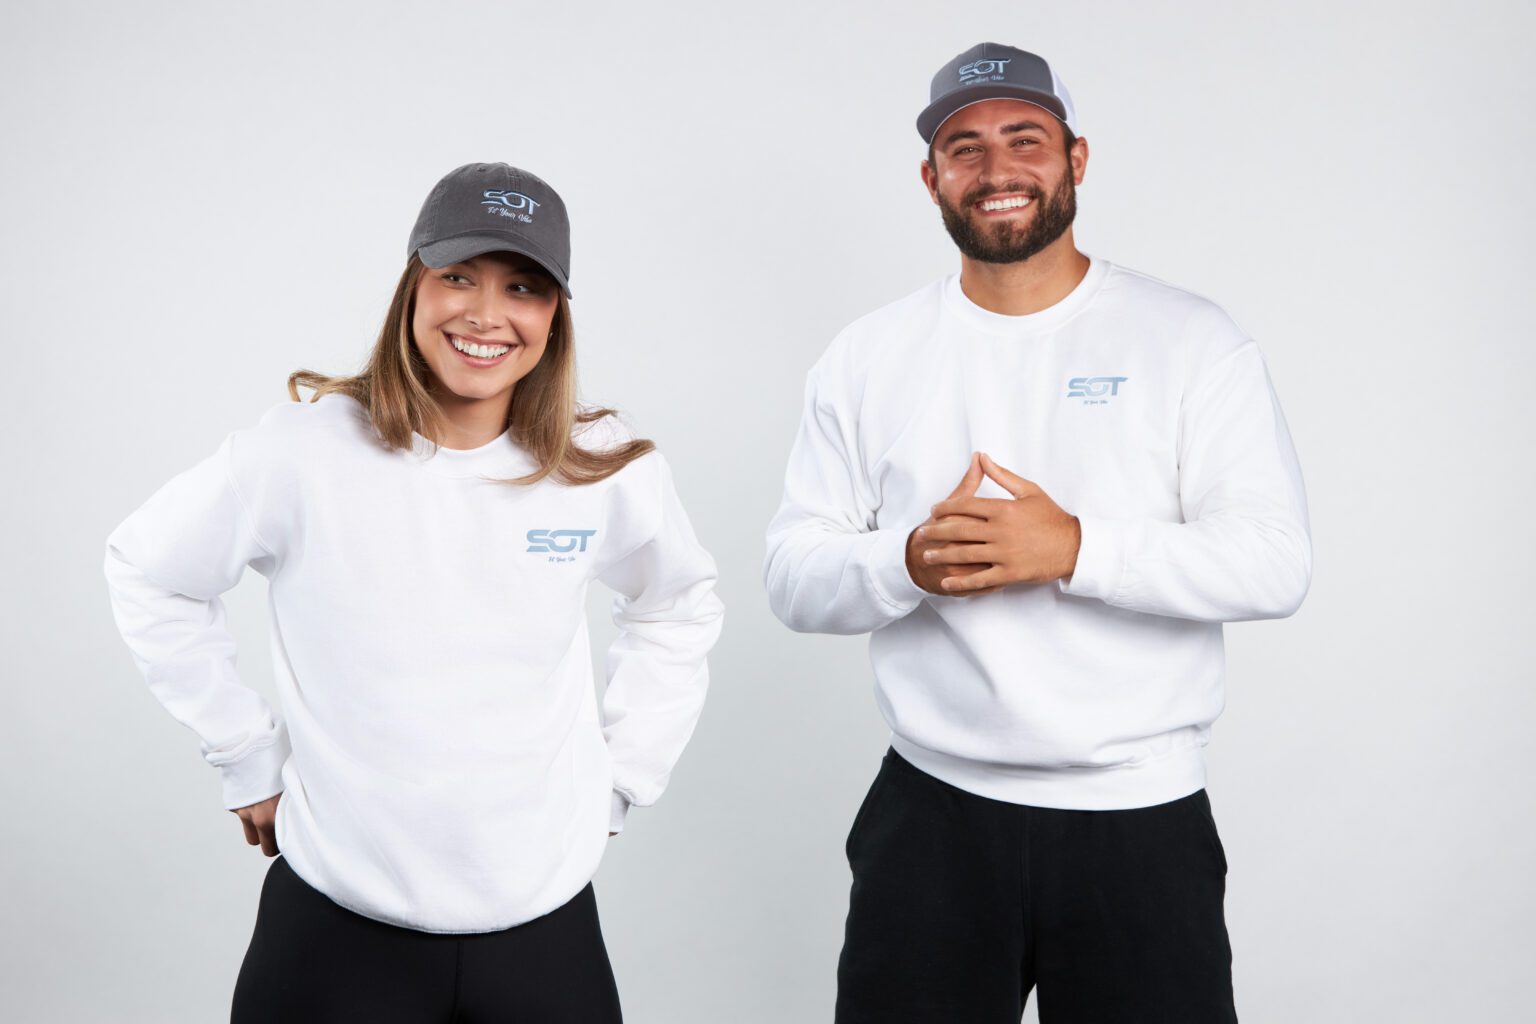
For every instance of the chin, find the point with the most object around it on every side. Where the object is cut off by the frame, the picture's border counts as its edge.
(471, 390)
(480, 394)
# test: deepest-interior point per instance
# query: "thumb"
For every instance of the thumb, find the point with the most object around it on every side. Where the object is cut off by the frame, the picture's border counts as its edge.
(1007, 480)
(968, 483)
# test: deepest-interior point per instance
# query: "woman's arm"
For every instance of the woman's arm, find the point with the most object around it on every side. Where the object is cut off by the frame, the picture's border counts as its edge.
(668, 617)
(166, 565)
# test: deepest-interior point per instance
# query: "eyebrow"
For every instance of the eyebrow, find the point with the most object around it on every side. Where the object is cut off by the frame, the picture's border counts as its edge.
(1007, 129)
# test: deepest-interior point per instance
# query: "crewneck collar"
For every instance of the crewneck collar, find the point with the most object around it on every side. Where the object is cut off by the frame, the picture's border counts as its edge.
(499, 457)
(1047, 319)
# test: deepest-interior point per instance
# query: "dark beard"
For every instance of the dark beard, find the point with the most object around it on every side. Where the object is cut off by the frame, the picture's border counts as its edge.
(1004, 243)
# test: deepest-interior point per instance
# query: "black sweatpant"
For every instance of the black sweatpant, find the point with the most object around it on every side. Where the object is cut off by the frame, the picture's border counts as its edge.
(961, 905)
(312, 961)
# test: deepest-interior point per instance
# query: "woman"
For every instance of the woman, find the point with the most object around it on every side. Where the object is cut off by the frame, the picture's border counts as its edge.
(441, 784)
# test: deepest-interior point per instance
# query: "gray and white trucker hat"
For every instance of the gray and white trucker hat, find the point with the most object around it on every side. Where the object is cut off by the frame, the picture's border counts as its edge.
(992, 71)
(481, 208)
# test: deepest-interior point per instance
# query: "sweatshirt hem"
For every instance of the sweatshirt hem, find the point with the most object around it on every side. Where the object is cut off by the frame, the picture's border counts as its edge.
(1075, 787)
(402, 923)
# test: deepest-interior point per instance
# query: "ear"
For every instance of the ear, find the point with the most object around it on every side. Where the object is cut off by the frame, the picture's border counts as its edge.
(1079, 158)
(930, 179)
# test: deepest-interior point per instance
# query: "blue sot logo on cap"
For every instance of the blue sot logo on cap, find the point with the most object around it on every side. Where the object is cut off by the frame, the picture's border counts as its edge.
(510, 204)
(977, 70)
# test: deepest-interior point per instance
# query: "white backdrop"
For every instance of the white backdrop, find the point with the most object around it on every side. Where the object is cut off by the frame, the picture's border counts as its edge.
(200, 198)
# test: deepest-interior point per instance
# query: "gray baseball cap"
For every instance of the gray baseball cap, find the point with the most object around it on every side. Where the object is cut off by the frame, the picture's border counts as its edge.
(481, 208)
(992, 71)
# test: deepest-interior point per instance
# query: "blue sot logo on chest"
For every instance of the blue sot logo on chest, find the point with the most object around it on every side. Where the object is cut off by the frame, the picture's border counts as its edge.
(559, 544)
(1097, 390)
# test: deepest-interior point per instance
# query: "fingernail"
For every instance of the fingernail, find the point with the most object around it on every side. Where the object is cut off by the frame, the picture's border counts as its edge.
(927, 556)
(919, 533)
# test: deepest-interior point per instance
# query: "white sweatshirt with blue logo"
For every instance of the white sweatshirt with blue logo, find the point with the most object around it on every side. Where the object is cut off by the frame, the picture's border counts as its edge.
(442, 757)
(1140, 408)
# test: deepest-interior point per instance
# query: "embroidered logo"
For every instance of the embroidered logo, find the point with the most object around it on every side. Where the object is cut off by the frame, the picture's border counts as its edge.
(510, 204)
(977, 70)
(559, 544)
(1091, 388)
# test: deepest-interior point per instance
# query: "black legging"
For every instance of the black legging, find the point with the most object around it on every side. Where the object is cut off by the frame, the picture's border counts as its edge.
(312, 961)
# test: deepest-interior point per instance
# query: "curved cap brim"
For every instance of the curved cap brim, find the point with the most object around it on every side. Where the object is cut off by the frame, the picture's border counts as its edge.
(945, 107)
(464, 247)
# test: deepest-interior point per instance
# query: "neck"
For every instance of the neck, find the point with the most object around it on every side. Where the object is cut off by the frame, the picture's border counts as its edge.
(1017, 289)
(471, 422)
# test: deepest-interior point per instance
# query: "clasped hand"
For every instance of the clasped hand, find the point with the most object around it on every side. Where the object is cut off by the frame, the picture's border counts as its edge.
(970, 546)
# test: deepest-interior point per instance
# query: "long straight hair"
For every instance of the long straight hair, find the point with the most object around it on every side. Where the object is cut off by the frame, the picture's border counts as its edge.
(395, 390)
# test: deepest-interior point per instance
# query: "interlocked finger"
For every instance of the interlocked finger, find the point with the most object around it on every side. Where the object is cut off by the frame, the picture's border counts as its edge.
(955, 528)
(960, 554)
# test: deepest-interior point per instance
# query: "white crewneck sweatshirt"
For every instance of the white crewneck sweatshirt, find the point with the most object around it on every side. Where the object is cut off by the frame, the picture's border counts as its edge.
(443, 762)
(1138, 407)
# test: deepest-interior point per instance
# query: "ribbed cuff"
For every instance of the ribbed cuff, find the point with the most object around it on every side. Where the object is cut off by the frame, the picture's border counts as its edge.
(888, 570)
(1100, 560)
(617, 812)
(257, 776)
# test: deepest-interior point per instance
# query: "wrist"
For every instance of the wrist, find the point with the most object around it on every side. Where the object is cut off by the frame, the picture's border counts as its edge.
(891, 573)
(1075, 544)
(909, 551)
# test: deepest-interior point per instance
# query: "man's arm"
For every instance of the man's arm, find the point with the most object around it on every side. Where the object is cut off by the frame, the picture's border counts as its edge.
(828, 568)
(1244, 550)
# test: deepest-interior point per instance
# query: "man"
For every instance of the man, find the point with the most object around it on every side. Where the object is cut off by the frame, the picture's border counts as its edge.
(1047, 639)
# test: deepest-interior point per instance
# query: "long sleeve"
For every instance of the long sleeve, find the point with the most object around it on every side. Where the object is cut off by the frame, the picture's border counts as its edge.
(166, 566)
(828, 568)
(1244, 550)
(668, 617)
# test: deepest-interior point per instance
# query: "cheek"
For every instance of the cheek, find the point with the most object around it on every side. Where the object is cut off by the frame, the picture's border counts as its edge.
(534, 325)
(434, 306)
(538, 343)
(419, 328)
(953, 184)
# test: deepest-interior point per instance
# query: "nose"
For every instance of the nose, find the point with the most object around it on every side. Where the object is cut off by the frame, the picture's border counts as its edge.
(480, 310)
(993, 164)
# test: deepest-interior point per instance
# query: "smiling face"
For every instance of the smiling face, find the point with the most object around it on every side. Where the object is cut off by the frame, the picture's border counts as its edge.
(1003, 180)
(482, 325)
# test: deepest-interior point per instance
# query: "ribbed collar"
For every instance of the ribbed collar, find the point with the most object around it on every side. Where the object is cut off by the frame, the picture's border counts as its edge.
(1047, 319)
(499, 458)
(496, 458)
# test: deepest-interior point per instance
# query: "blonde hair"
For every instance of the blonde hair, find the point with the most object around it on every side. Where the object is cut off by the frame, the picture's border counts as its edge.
(394, 389)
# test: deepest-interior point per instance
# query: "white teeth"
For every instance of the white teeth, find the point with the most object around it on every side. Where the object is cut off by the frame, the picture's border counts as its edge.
(1005, 204)
(478, 351)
